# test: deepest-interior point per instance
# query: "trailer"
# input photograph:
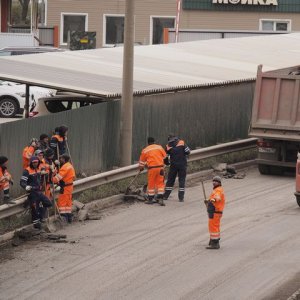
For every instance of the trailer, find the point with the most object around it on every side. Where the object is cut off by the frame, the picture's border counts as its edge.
(276, 121)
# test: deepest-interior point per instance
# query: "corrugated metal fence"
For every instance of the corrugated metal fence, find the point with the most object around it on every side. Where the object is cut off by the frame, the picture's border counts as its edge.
(202, 117)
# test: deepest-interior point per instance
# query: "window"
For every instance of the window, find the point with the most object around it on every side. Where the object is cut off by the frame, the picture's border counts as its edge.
(157, 28)
(275, 25)
(113, 29)
(72, 22)
(21, 13)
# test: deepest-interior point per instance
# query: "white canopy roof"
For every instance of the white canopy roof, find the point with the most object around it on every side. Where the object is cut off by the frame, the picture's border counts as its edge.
(168, 66)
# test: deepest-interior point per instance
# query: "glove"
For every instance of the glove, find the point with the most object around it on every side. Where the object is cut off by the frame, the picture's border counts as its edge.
(44, 172)
(141, 169)
(52, 168)
(206, 201)
(166, 161)
(57, 162)
(57, 188)
(28, 188)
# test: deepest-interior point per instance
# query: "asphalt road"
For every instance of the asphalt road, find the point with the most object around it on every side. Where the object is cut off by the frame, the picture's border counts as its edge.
(152, 252)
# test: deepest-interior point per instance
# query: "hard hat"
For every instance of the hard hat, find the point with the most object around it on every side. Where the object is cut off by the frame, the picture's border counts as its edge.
(217, 178)
(38, 152)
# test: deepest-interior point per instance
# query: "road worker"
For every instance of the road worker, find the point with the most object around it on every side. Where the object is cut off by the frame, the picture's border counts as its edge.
(152, 157)
(44, 142)
(58, 142)
(51, 170)
(28, 152)
(5, 180)
(215, 206)
(177, 152)
(44, 169)
(31, 181)
(64, 180)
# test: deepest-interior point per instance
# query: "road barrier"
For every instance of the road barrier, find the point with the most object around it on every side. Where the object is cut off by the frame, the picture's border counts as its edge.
(83, 184)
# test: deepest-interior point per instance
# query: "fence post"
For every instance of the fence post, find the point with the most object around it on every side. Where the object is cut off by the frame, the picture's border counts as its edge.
(55, 36)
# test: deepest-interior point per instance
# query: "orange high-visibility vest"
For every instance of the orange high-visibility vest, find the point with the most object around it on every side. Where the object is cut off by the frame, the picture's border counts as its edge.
(67, 174)
(152, 156)
(27, 154)
(219, 198)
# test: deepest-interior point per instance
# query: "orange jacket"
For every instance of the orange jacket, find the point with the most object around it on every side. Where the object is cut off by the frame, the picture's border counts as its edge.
(27, 153)
(152, 156)
(5, 177)
(67, 174)
(218, 198)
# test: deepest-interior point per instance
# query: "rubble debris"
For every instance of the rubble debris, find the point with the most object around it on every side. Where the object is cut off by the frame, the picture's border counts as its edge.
(220, 167)
(227, 171)
(30, 234)
(135, 194)
(82, 214)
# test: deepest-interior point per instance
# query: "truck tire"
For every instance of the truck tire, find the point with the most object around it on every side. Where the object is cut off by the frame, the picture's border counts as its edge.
(264, 169)
(274, 170)
(298, 200)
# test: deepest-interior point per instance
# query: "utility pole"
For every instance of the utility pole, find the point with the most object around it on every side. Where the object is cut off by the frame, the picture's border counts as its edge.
(127, 86)
(179, 2)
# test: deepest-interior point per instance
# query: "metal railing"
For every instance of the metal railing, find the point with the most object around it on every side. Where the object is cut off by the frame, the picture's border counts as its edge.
(80, 185)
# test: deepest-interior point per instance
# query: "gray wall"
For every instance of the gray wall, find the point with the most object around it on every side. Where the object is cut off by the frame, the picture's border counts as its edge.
(202, 117)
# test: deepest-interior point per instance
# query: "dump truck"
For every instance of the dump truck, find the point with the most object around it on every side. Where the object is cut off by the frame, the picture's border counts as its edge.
(275, 120)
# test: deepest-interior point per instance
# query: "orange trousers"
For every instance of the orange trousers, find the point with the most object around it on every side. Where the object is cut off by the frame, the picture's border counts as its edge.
(64, 203)
(4, 186)
(155, 182)
(214, 226)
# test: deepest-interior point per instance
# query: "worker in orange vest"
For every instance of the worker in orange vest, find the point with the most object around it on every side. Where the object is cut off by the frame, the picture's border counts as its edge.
(5, 180)
(64, 180)
(58, 142)
(28, 152)
(31, 182)
(152, 157)
(215, 206)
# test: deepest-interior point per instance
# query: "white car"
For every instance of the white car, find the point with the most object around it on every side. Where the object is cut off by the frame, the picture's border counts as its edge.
(12, 97)
(59, 103)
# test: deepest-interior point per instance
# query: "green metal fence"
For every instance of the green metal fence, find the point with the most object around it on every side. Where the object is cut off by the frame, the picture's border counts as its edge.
(202, 117)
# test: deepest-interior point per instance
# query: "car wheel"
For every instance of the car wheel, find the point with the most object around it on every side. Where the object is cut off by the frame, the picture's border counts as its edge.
(8, 108)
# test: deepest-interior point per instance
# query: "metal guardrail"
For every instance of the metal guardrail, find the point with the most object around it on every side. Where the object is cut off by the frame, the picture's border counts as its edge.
(80, 185)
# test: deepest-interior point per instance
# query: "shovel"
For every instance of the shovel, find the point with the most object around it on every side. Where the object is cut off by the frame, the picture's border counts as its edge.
(204, 193)
(57, 221)
(127, 192)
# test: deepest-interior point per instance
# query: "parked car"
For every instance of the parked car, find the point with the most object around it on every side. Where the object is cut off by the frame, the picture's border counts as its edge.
(12, 97)
(9, 51)
(45, 106)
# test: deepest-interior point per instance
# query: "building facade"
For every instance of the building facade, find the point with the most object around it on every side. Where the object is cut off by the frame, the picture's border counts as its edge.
(106, 17)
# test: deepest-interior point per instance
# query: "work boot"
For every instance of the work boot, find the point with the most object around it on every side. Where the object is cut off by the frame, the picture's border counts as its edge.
(214, 244)
(161, 202)
(209, 243)
(149, 201)
(37, 226)
(69, 218)
(181, 200)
